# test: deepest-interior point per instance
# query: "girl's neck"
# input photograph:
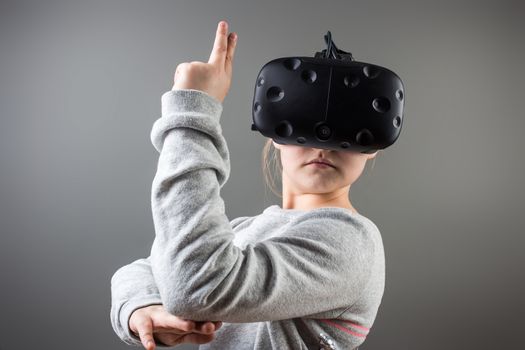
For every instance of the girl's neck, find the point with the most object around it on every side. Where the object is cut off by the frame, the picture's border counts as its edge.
(309, 201)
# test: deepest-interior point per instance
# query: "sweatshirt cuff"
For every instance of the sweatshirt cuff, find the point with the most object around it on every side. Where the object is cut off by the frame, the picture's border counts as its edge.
(184, 100)
(187, 108)
(126, 311)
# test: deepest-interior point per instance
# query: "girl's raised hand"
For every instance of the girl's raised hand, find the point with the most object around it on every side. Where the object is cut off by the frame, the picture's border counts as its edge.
(153, 322)
(213, 77)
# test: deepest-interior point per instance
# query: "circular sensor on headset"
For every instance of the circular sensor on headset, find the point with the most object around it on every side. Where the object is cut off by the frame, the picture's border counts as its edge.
(323, 132)
(275, 94)
(284, 129)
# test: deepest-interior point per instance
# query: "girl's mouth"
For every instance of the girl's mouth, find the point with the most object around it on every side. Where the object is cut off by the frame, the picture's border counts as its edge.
(320, 165)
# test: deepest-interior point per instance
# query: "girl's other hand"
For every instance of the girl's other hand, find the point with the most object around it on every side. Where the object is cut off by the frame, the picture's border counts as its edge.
(153, 322)
(213, 77)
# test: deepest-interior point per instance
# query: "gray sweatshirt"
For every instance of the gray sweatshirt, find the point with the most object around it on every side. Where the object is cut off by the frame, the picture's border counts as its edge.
(283, 279)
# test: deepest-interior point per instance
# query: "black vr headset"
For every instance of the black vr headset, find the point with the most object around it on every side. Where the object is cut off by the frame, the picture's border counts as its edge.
(329, 101)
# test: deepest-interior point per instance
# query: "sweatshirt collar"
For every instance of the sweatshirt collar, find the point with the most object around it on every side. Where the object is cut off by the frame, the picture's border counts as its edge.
(276, 209)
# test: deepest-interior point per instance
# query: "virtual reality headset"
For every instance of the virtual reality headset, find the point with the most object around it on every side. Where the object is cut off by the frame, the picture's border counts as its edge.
(328, 101)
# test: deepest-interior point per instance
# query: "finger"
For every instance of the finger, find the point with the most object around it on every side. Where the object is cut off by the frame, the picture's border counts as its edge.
(194, 338)
(220, 46)
(204, 327)
(181, 69)
(168, 339)
(145, 330)
(232, 44)
(169, 321)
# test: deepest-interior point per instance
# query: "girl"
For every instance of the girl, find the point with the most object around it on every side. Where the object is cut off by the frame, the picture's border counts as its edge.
(307, 275)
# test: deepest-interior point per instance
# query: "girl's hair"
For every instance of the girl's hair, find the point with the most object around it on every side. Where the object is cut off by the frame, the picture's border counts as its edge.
(271, 166)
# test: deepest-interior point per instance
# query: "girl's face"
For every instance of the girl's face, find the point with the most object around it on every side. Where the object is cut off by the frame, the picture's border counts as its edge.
(301, 177)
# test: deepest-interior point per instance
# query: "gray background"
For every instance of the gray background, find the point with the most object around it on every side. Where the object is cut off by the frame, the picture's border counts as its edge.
(80, 88)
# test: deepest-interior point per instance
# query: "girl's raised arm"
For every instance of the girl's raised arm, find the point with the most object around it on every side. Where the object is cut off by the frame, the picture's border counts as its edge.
(320, 263)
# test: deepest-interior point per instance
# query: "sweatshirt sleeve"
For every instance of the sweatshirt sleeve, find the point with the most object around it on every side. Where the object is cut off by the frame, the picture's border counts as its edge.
(315, 265)
(132, 287)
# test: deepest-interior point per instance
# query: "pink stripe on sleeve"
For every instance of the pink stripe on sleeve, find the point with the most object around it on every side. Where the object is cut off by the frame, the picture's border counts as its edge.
(344, 329)
(355, 325)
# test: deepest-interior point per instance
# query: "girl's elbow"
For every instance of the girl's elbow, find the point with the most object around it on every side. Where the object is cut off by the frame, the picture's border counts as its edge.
(190, 304)
(184, 306)
(179, 300)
